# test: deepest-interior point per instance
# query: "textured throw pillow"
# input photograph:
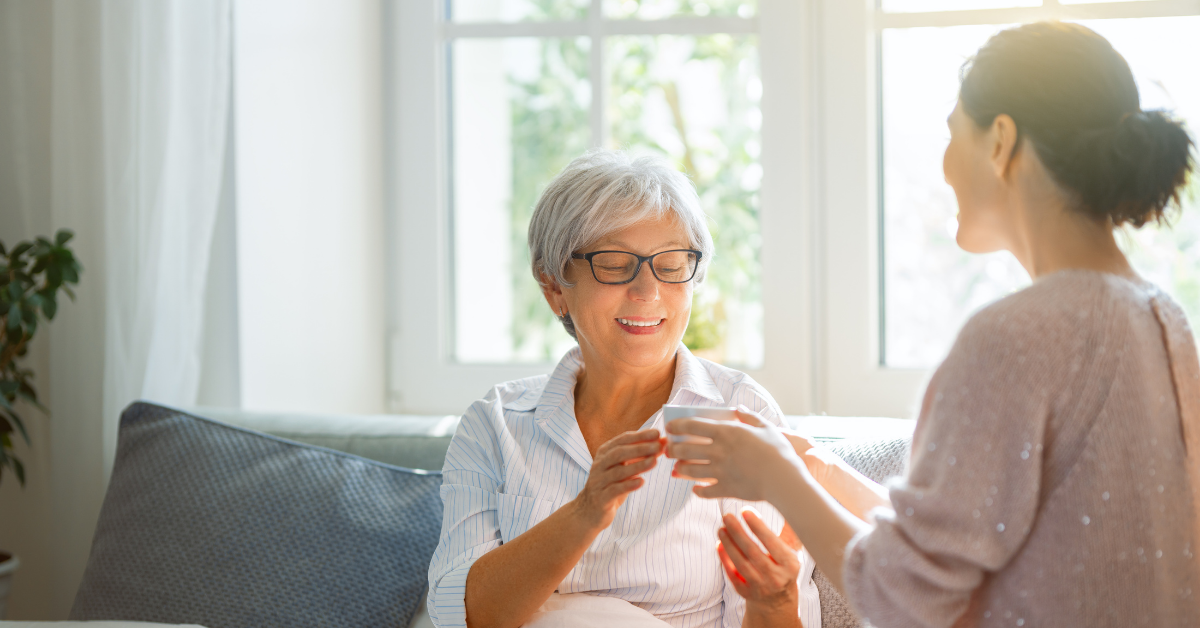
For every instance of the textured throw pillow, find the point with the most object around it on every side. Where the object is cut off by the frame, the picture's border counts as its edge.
(879, 460)
(206, 523)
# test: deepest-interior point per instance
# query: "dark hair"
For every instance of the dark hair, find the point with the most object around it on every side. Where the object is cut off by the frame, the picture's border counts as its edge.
(1074, 97)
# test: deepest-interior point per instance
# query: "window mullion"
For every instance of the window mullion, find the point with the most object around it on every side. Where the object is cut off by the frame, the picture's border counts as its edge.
(596, 70)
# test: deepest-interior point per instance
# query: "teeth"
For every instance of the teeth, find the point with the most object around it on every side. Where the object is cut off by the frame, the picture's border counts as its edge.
(641, 323)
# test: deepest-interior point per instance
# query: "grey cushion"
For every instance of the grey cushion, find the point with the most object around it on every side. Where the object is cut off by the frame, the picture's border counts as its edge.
(879, 460)
(216, 525)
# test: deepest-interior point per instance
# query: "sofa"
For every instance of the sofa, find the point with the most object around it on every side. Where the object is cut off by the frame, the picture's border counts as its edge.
(215, 514)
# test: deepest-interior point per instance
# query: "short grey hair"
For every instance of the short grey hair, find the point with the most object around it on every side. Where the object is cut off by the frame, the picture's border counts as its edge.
(603, 192)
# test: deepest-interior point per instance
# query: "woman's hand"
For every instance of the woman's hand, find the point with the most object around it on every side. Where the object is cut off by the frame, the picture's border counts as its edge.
(742, 461)
(766, 580)
(616, 472)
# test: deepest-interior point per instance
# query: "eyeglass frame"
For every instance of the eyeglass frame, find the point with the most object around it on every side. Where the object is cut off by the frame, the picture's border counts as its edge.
(641, 260)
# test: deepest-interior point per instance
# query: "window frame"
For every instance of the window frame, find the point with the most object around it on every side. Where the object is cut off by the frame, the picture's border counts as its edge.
(423, 376)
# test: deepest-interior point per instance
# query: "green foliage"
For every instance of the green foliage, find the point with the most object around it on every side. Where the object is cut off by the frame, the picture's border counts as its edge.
(31, 274)
(706, 327)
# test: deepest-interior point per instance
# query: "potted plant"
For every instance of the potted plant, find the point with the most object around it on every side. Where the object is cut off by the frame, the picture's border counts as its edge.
(31, 274)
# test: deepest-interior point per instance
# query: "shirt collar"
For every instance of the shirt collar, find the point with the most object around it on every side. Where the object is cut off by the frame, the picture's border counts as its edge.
(559, 392)
(692, 376)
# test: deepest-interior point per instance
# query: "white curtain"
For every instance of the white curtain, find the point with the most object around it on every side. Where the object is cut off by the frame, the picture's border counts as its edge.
(139, 103)
(165, 97)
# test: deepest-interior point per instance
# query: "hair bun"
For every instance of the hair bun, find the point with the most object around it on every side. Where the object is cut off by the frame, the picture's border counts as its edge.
(1075, 99)
(1132, 169)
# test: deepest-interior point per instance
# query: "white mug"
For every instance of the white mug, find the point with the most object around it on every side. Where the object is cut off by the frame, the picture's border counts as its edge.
(671, 413)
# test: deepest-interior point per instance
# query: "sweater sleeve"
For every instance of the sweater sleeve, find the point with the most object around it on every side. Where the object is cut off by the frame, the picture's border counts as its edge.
(975, 475)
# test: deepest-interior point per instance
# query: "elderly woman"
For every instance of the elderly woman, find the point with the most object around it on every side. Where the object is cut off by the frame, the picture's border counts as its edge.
(556, 512)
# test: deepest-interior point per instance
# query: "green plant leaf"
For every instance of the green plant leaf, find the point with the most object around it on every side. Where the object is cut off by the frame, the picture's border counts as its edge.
(70, 274)
(20, 425)
(3, 251)
(63, 236)
(27, 393)
(54, 277)
(49, 305)
(19, 469)
(14, 317)
(21, 249)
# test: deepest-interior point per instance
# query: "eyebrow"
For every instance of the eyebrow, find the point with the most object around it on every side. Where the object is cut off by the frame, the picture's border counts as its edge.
(669, 246)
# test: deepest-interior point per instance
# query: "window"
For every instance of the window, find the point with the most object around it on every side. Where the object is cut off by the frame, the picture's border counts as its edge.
(521, 107)
(930, 286)
(816, 149)
(916, 288)
(518, 88)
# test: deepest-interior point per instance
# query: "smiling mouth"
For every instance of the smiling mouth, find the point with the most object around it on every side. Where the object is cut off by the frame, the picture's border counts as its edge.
(625, 321)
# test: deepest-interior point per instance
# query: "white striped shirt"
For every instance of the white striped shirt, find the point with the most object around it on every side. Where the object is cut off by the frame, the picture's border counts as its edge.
(518, 455)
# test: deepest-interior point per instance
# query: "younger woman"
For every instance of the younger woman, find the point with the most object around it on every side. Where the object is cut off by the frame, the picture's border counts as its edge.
(1055, 470)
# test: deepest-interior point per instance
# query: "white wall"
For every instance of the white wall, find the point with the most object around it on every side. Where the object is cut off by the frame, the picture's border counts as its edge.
(308, 110)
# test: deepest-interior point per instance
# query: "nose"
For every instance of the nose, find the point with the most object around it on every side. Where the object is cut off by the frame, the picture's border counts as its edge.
(644, 287)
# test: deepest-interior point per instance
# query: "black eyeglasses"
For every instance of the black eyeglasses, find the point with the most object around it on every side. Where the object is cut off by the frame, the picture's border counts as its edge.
(618, 267)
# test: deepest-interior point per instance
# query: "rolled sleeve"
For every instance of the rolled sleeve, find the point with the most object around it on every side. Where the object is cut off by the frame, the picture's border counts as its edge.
(469, 523)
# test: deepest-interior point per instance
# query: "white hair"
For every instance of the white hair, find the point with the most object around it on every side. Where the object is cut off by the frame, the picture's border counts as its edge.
(603, 192)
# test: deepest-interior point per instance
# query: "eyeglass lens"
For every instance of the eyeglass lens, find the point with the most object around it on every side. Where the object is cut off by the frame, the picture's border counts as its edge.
(668, 266)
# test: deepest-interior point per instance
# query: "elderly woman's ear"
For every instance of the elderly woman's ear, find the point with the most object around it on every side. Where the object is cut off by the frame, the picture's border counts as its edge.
(552, 290)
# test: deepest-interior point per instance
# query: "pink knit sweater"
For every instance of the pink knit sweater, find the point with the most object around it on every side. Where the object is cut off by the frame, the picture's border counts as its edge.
(1050, 482)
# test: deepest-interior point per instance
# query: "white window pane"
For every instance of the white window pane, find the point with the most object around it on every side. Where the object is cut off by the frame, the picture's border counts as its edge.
(695, 99)
(920, 6)
(519, 115)
(516, 10)
(931, 286)
(662, 9)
